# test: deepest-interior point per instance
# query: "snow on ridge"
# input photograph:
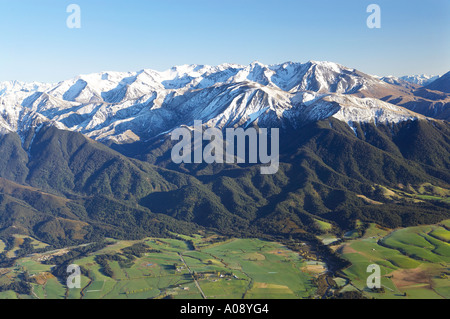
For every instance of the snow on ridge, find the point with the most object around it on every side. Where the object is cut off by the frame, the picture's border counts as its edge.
(370, 110)
(128, 105)
(422, 79)
(178, 77)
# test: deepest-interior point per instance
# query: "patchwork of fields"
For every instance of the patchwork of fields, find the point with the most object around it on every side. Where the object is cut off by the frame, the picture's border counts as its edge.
(236, 268)
(414, 261)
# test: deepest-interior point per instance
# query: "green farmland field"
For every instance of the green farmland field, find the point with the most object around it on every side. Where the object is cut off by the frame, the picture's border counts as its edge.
(232, 268)
(414, 261)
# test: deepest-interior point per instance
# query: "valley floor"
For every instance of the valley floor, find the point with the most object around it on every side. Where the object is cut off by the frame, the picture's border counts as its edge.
(414, 263)
(188, 267)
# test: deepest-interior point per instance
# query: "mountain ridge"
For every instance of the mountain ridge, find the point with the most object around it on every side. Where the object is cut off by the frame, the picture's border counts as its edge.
(128, 106)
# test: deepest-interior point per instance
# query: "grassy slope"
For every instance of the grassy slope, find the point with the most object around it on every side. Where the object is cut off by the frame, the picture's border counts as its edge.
(414, 258)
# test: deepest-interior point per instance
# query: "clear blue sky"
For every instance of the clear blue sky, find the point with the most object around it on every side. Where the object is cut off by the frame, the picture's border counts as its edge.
(36, 45)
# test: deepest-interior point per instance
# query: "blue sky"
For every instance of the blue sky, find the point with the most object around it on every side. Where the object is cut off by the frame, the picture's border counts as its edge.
(36, 44)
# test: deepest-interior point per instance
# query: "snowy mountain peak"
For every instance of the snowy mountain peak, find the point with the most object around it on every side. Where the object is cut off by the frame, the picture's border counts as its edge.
(335, 67)
(257, 63)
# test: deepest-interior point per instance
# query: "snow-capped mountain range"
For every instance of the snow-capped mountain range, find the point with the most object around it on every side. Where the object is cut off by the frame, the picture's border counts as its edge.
(129, 106)
(419, 80)
(422, 79)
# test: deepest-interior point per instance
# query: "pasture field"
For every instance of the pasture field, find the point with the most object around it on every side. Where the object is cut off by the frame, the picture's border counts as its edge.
(414, 261)
(273, 271)
(324, 226)
(327, 239)
(446, 224)
(425, 191)
(2, 246)
(8, 295)
(36, 243)
(18, 241)
(231, 268)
